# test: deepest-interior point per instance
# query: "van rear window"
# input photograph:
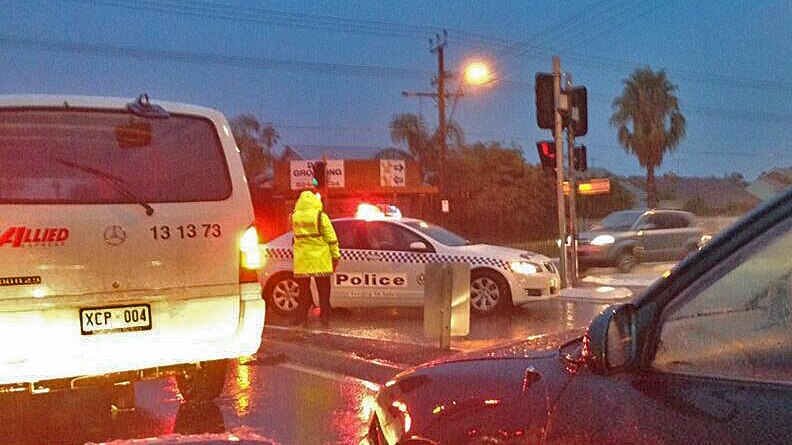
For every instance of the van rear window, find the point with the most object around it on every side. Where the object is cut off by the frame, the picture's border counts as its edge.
(79, 156)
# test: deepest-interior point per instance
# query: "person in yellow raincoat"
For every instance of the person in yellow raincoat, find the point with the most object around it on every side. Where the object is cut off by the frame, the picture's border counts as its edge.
(316, 253)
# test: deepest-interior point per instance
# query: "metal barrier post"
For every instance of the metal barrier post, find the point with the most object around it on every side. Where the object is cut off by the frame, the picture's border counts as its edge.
(446, 301)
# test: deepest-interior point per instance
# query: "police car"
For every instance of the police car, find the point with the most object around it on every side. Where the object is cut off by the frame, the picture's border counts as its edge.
(383, 262)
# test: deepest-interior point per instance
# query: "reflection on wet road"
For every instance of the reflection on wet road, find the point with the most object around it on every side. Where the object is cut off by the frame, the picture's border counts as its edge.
(276, 402)
(405, 325)
(287, 393)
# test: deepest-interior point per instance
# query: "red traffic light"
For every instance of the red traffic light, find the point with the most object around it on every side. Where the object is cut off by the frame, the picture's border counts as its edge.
(547, 153)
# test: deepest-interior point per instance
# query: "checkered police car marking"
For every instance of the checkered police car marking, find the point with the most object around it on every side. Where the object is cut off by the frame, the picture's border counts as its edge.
(401, 257)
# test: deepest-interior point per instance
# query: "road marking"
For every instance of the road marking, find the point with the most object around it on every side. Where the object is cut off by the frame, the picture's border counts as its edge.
(345, 335)
(332, 376)
(346, 355)
(621, 280)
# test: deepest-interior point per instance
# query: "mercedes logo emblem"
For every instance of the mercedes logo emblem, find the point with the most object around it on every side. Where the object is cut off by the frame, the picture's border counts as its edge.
(114, 235)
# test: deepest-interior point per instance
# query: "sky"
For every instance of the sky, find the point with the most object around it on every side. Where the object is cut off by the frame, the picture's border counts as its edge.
(330, 75)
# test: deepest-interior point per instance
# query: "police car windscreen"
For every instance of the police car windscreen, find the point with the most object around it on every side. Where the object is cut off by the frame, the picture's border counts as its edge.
(80, 156)
(438, 233)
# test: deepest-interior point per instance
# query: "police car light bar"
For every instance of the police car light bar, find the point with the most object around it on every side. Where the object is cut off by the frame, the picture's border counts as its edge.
(370, 212)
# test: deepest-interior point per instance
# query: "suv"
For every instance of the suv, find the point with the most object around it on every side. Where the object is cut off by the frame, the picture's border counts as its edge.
(127, 250)
(625, 238)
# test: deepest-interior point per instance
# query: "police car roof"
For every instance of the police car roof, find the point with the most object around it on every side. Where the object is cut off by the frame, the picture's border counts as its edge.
(384, 218)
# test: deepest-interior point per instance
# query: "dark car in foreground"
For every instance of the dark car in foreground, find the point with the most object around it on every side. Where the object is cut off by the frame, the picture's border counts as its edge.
(625, 238)
(703, 356)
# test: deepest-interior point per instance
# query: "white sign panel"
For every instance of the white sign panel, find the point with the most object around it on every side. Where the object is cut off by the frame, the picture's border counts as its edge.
(301, 173)
(393, 173)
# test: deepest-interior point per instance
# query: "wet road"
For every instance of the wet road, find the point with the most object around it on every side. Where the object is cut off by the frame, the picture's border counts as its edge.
(312, 385)
(283, 403)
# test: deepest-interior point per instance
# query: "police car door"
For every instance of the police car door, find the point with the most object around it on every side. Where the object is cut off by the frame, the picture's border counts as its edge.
(352, 242)
(390, 273)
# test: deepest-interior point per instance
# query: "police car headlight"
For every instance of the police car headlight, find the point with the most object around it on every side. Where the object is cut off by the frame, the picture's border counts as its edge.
(603, 240)
(523, 267)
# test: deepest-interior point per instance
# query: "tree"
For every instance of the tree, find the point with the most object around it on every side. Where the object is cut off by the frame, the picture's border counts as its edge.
(411, 129)
(508, 201)
(648, 121)
(255, 141)
(737, 179)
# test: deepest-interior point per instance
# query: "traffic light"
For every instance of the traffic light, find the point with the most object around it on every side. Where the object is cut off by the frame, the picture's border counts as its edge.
(319, 174)
(547, 154)
(545, 101)
(581, 162)
(580, 101)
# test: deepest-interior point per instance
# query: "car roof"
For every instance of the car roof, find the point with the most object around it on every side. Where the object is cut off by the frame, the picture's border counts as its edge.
(394, 220)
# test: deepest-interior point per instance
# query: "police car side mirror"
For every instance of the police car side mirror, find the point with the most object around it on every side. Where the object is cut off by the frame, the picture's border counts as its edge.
(419, 246)
(611, 339)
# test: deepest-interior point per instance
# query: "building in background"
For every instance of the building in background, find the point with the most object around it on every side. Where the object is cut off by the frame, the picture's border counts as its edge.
(388, 176)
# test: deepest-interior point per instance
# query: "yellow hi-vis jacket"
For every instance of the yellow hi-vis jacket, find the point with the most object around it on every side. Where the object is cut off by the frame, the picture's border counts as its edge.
(315, 242)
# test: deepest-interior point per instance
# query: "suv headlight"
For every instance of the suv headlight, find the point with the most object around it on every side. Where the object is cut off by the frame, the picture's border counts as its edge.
(603, 240)
(524, 267)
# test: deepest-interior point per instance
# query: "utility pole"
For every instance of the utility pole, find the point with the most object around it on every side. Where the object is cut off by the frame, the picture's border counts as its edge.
(439, 48)
(558, 136)
(573, 272)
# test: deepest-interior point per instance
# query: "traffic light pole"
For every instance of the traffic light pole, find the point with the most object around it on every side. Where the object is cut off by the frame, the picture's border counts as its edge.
(558, 136)
(573, 262)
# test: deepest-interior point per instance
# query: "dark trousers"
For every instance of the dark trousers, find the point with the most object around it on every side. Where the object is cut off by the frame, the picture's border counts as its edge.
(323, 286)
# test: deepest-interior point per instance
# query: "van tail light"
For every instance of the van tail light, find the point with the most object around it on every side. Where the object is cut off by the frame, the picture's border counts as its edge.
(250, 258)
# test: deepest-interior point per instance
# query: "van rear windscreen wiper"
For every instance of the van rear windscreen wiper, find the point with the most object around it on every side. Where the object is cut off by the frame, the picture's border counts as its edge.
(116, 182)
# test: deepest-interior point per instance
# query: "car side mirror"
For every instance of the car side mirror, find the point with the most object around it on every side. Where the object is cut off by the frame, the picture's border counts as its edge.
(419, 246)
(610, 339)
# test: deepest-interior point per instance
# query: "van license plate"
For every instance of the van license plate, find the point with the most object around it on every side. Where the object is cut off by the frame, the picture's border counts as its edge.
(102, 320)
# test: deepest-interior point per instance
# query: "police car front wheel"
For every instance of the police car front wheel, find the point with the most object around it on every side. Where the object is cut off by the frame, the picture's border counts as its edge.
(488, 292)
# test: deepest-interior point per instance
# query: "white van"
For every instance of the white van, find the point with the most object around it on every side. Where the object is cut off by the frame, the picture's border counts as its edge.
(127, 249)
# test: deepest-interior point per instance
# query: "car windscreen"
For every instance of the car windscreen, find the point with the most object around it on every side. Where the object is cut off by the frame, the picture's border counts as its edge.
(438, 233)
(85, 156)
(620, 220)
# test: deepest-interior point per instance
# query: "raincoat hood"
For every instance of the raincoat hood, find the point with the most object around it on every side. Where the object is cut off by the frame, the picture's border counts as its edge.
(308, 201)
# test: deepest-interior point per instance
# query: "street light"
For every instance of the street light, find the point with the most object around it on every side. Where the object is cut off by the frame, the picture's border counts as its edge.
(478, 73)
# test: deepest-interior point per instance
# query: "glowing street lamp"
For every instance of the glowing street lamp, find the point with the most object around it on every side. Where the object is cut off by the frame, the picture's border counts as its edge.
(478, 73)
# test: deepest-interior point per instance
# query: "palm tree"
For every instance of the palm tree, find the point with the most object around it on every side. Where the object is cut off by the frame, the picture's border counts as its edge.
(255, 141)
(648, 121)
(412, 129)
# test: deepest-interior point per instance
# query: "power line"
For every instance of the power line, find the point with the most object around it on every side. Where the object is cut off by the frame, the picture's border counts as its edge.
(652, 7)
(258, 15)
(588, 12)
(337, 24)
(60, 46)
(527, 46)
(720, 113)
